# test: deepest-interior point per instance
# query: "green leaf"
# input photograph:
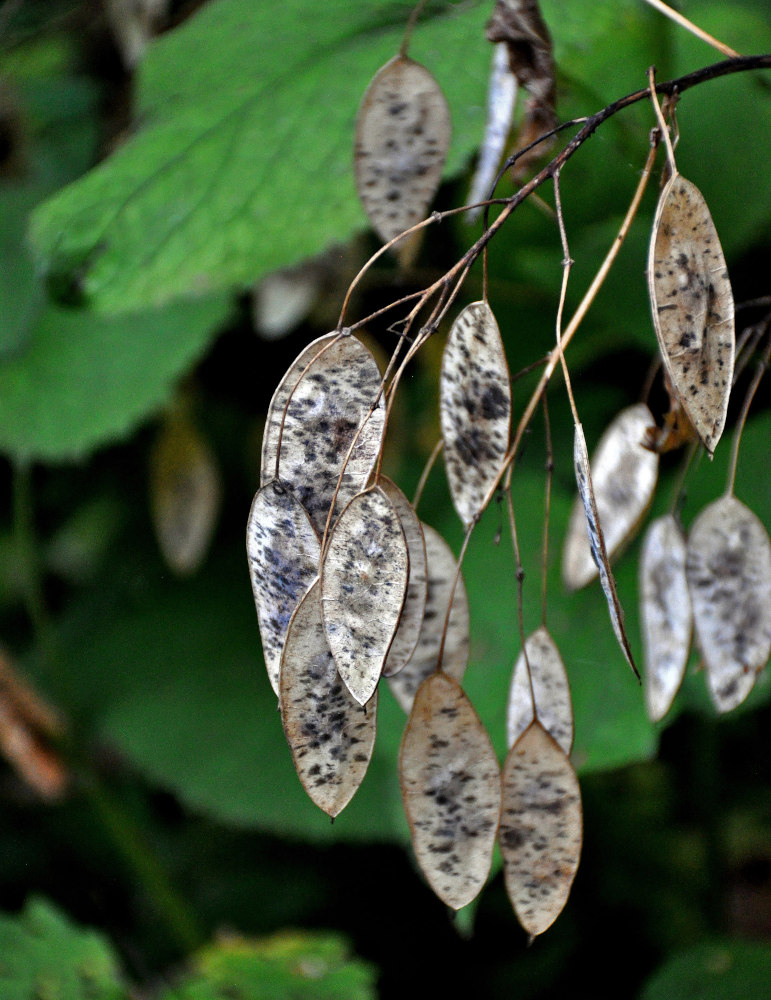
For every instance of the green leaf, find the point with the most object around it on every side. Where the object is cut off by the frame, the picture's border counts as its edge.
(43, 955)
(83, 381)
(719, 970)
(287, 966)
(242, 161)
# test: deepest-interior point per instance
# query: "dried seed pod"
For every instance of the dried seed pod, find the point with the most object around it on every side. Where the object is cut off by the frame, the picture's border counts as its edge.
(402, 136)
(363, 584)
(541, 828)
(330, 735)
(475, 407)
(665, 612)
(283, 551)
(501, 97)
(729, 577)
(322, 407)
(553, 707)
(185, 493)
(411, 619)
(451, 788)
(693, 306)
(597, 543)
(624, 473)
(441, 565)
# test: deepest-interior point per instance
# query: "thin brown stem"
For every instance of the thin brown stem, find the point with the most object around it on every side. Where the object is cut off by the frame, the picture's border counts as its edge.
(520, 575)
(435, 453)
(694, 29)
(761, 370)
(547, 504)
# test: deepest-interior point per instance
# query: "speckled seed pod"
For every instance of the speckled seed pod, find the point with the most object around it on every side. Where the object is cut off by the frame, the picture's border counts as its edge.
(693, 306)
(597, 543)
(330, 735)
(402, 136)
(728, 569)
(441, 565)
(553, 707)
(411, 618)
(624, 477)
(321, 405)
(665, 613)
(363, 584)
(283, 551)
(451, 787)
(541, 828)
(475, 408)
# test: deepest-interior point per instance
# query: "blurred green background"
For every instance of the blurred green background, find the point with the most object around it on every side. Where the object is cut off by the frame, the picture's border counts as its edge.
(155, 838)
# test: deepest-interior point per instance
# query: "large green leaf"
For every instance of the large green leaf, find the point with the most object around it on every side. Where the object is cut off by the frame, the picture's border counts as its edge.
(43, 955)
(719, 970)
(242, 160)
(83, 380)
(288, 966)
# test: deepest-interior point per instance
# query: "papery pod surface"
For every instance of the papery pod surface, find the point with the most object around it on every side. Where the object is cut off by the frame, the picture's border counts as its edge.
(451, 787)
(501, 97)
(553, 707)
(413, 611)
(442, 565)
(283, 550)
(185, 493)
(597, 544)
(323, 406)
(475, 408)
(541, 828)
(665, 614)
(330, 734)
(692, 305)
(729, 578)
(624, 477)
(363, 586)
(403, 133)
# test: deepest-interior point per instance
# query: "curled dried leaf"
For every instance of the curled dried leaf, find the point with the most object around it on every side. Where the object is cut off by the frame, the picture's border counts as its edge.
(424, 661)
(329, 733)
(541, 828)
(411, 618)
(185, 493)
(692, 305)
(363, 585)
(597, 543)
(475, 407)
(402, 136)
(665, 612)
(553, 707)
(624, 473)
(321, 417)
(283, 551)
(451, 787)
(728, 569)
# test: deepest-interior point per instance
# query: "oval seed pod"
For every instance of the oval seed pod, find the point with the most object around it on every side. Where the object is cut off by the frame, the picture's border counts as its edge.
(693, 307)
(541, 828)
(624, 477)
(442, 565)
(475, 408)
(553, 707)
(411, 619)
(283, 551)
(185, 493)
(330, 735)
(597, 543)
(451, 787)
(728, 569)
(665, 613)
(402, 136)
(322, 404)
(363, 583)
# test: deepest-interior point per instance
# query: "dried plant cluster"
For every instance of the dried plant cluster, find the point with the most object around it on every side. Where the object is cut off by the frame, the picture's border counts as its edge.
(351, 587)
